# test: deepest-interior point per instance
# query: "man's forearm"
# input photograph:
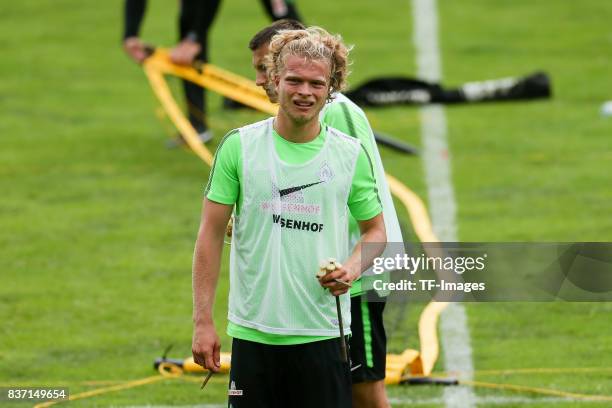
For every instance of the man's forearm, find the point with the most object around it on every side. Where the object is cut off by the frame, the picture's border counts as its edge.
(375, 237)
(134, 11)
(360, 260)
(205, 273)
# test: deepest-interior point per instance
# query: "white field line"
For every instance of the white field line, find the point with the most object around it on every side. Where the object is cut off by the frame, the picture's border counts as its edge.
(490, 400)
(484, 400)
(170, 406)
(455, 335)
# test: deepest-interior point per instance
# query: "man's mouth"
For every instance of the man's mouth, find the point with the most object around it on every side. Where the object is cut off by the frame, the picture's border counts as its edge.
(303, 105)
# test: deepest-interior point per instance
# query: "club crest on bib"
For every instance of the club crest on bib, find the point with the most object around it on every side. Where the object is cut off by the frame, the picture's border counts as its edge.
(325, 173)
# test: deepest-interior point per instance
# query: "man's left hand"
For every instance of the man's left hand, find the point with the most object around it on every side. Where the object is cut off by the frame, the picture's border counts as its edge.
(345, 275)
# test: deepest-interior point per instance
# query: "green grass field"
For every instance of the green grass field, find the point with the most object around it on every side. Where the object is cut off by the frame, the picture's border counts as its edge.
(98, 219)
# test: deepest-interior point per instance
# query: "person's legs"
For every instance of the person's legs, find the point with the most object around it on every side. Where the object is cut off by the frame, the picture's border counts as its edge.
(194, 97)
(253, 379)
(370, 394)
(317, 376)
(197, 16)
(368, 353)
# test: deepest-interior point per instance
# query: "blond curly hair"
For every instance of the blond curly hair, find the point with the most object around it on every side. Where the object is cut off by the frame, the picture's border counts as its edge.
(312, 43)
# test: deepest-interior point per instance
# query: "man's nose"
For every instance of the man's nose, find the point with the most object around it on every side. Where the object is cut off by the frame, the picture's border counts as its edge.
(304, 89)
(260, 79)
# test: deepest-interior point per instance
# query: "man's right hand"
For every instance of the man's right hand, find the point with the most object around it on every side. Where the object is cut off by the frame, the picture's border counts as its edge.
(185, 52)
(206, 347)
(135, 49)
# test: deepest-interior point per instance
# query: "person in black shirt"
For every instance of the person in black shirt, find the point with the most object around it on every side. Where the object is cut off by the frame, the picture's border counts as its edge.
(195, 19)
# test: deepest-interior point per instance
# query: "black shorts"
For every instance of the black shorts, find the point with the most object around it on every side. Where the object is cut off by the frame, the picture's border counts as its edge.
(303, 375)
(368, 343)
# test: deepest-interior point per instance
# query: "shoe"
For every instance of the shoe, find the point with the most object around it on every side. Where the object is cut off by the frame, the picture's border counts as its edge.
(204, 137)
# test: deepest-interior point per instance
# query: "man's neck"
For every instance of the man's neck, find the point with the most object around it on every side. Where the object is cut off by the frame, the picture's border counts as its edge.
(296, 132)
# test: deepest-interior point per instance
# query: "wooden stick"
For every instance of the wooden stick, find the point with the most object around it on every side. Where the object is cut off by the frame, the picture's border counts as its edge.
(343, 348)
(210, 373)
(343, 283)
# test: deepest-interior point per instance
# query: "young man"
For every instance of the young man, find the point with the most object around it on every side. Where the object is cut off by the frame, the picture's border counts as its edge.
(368, 341)
(293, 182)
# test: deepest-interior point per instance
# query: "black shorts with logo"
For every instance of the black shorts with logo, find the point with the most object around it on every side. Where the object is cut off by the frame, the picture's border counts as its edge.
(302, 375)
(368, 343)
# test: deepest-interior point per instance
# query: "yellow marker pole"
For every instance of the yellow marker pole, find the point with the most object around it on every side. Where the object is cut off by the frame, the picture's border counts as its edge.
(215, 79)
(160, 87)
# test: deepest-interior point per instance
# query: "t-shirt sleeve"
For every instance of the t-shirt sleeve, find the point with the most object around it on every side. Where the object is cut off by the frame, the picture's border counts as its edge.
(224, 180)
(344, 117)
(364, 202)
